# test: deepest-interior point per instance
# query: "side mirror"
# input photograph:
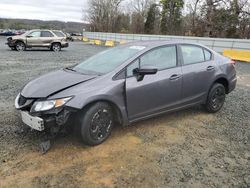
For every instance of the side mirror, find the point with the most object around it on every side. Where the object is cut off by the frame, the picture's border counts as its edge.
(145, 70)
(28, 36)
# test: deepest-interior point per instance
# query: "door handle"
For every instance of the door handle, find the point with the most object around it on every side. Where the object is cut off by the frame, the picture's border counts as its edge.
(175, 77)
(209, 68)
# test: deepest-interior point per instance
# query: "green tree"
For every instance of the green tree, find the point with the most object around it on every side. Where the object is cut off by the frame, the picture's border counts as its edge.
(122, 23)
(1, 25)
(151, 19)
(171, 16)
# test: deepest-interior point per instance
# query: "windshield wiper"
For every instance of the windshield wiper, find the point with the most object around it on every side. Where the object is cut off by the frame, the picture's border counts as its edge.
(71, 69)
(84, 72)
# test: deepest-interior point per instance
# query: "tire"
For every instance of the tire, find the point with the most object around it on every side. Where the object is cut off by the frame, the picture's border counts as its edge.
(56, 47)
(20, 46)
(96, 123)
(216, 98)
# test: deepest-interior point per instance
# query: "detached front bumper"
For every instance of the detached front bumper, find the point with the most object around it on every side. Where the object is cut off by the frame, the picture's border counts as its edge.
(48, 120)
(36, 123)
(10, 43)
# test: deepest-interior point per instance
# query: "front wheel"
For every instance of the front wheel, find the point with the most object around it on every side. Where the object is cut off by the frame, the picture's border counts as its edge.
(96, 123)
(216, 98)
(20, 46)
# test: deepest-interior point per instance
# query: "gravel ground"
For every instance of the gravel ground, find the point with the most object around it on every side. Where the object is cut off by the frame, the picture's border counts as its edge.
(190, 148)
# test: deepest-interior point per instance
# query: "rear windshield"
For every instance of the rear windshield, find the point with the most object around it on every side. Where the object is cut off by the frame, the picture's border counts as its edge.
(59, 33)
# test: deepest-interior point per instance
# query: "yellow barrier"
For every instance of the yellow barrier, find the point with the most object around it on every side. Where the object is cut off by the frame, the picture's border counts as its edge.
(110, 43)
(122, 42)
(240, 55)
(85, 39)
(98, 42)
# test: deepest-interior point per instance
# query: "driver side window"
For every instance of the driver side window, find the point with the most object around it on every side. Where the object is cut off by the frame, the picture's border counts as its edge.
(161, 58)
(35, 34)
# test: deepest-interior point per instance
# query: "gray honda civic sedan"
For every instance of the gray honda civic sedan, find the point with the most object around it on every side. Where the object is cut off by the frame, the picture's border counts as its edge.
(126, 84)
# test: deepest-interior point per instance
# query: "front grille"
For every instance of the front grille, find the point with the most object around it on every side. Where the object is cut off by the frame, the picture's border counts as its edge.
(22, 100)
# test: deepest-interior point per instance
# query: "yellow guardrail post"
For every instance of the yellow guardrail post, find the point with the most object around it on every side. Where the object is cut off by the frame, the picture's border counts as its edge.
(110, 43)
(240, 55)
(123, 42)
(98, 42)
(85, 39)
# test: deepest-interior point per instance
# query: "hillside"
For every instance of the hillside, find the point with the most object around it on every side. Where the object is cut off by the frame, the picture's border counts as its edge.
(39, 24)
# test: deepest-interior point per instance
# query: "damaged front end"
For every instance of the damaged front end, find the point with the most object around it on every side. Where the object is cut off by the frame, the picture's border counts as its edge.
(47, 116)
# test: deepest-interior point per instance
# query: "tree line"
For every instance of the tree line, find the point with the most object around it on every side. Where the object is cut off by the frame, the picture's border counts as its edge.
(210, 18)
(18, 24)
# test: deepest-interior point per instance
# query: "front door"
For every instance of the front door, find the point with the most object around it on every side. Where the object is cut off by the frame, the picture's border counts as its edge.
(34, 38)
(155, 93)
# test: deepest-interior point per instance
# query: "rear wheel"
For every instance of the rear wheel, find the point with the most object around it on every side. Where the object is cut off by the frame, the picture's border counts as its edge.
(96, 123)
(20, 46)
(56, 47)
(216, 98)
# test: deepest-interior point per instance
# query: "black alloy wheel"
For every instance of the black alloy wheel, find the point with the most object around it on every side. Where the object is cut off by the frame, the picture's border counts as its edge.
(96, 123)
(216, 98)
(20, 46)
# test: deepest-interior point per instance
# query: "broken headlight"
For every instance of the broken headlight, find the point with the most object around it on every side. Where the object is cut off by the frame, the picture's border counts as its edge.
(40, 106)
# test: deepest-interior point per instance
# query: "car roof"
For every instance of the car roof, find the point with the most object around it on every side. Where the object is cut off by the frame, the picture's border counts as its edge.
(42, 30)
(57, 30)
(155, 43)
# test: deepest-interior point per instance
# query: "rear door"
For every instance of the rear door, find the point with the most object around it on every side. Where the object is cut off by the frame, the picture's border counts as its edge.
(155, 93)
(33, 39)
(46, 38)
(198, 70)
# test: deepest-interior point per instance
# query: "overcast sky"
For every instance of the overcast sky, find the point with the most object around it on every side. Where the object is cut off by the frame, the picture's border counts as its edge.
(63, 10)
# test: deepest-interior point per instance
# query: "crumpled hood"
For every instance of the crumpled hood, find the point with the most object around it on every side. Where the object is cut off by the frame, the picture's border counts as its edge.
(53, 82)
(16, 37)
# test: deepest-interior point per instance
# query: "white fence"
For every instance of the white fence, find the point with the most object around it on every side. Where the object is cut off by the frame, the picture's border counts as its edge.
(217, 44)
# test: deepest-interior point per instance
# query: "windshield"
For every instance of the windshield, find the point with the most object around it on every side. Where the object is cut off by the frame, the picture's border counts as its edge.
(107, 60)
(25, 33)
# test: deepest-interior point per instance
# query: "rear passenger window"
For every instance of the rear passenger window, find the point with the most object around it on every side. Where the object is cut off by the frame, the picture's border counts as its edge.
(59, 33)
(46, 34)
(162, 58)
(208, 55)
(192, 54)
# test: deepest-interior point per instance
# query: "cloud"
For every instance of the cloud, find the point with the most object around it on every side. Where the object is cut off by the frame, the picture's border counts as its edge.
(63, 10)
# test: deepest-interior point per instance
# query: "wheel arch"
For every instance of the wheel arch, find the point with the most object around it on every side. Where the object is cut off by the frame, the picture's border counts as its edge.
(222, 80)
(119, 117)
(55, 42)
(19, 40)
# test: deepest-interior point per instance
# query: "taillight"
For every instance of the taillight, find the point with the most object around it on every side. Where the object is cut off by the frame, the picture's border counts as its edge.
(232, 62)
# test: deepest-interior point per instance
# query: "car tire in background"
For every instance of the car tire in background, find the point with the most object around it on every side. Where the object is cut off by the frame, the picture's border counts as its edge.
(56, 47)
(95, 123)
(216, 98)
(20, 46)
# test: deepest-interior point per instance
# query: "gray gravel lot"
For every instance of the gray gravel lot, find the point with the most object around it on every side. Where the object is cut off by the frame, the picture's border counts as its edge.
(189, 148)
